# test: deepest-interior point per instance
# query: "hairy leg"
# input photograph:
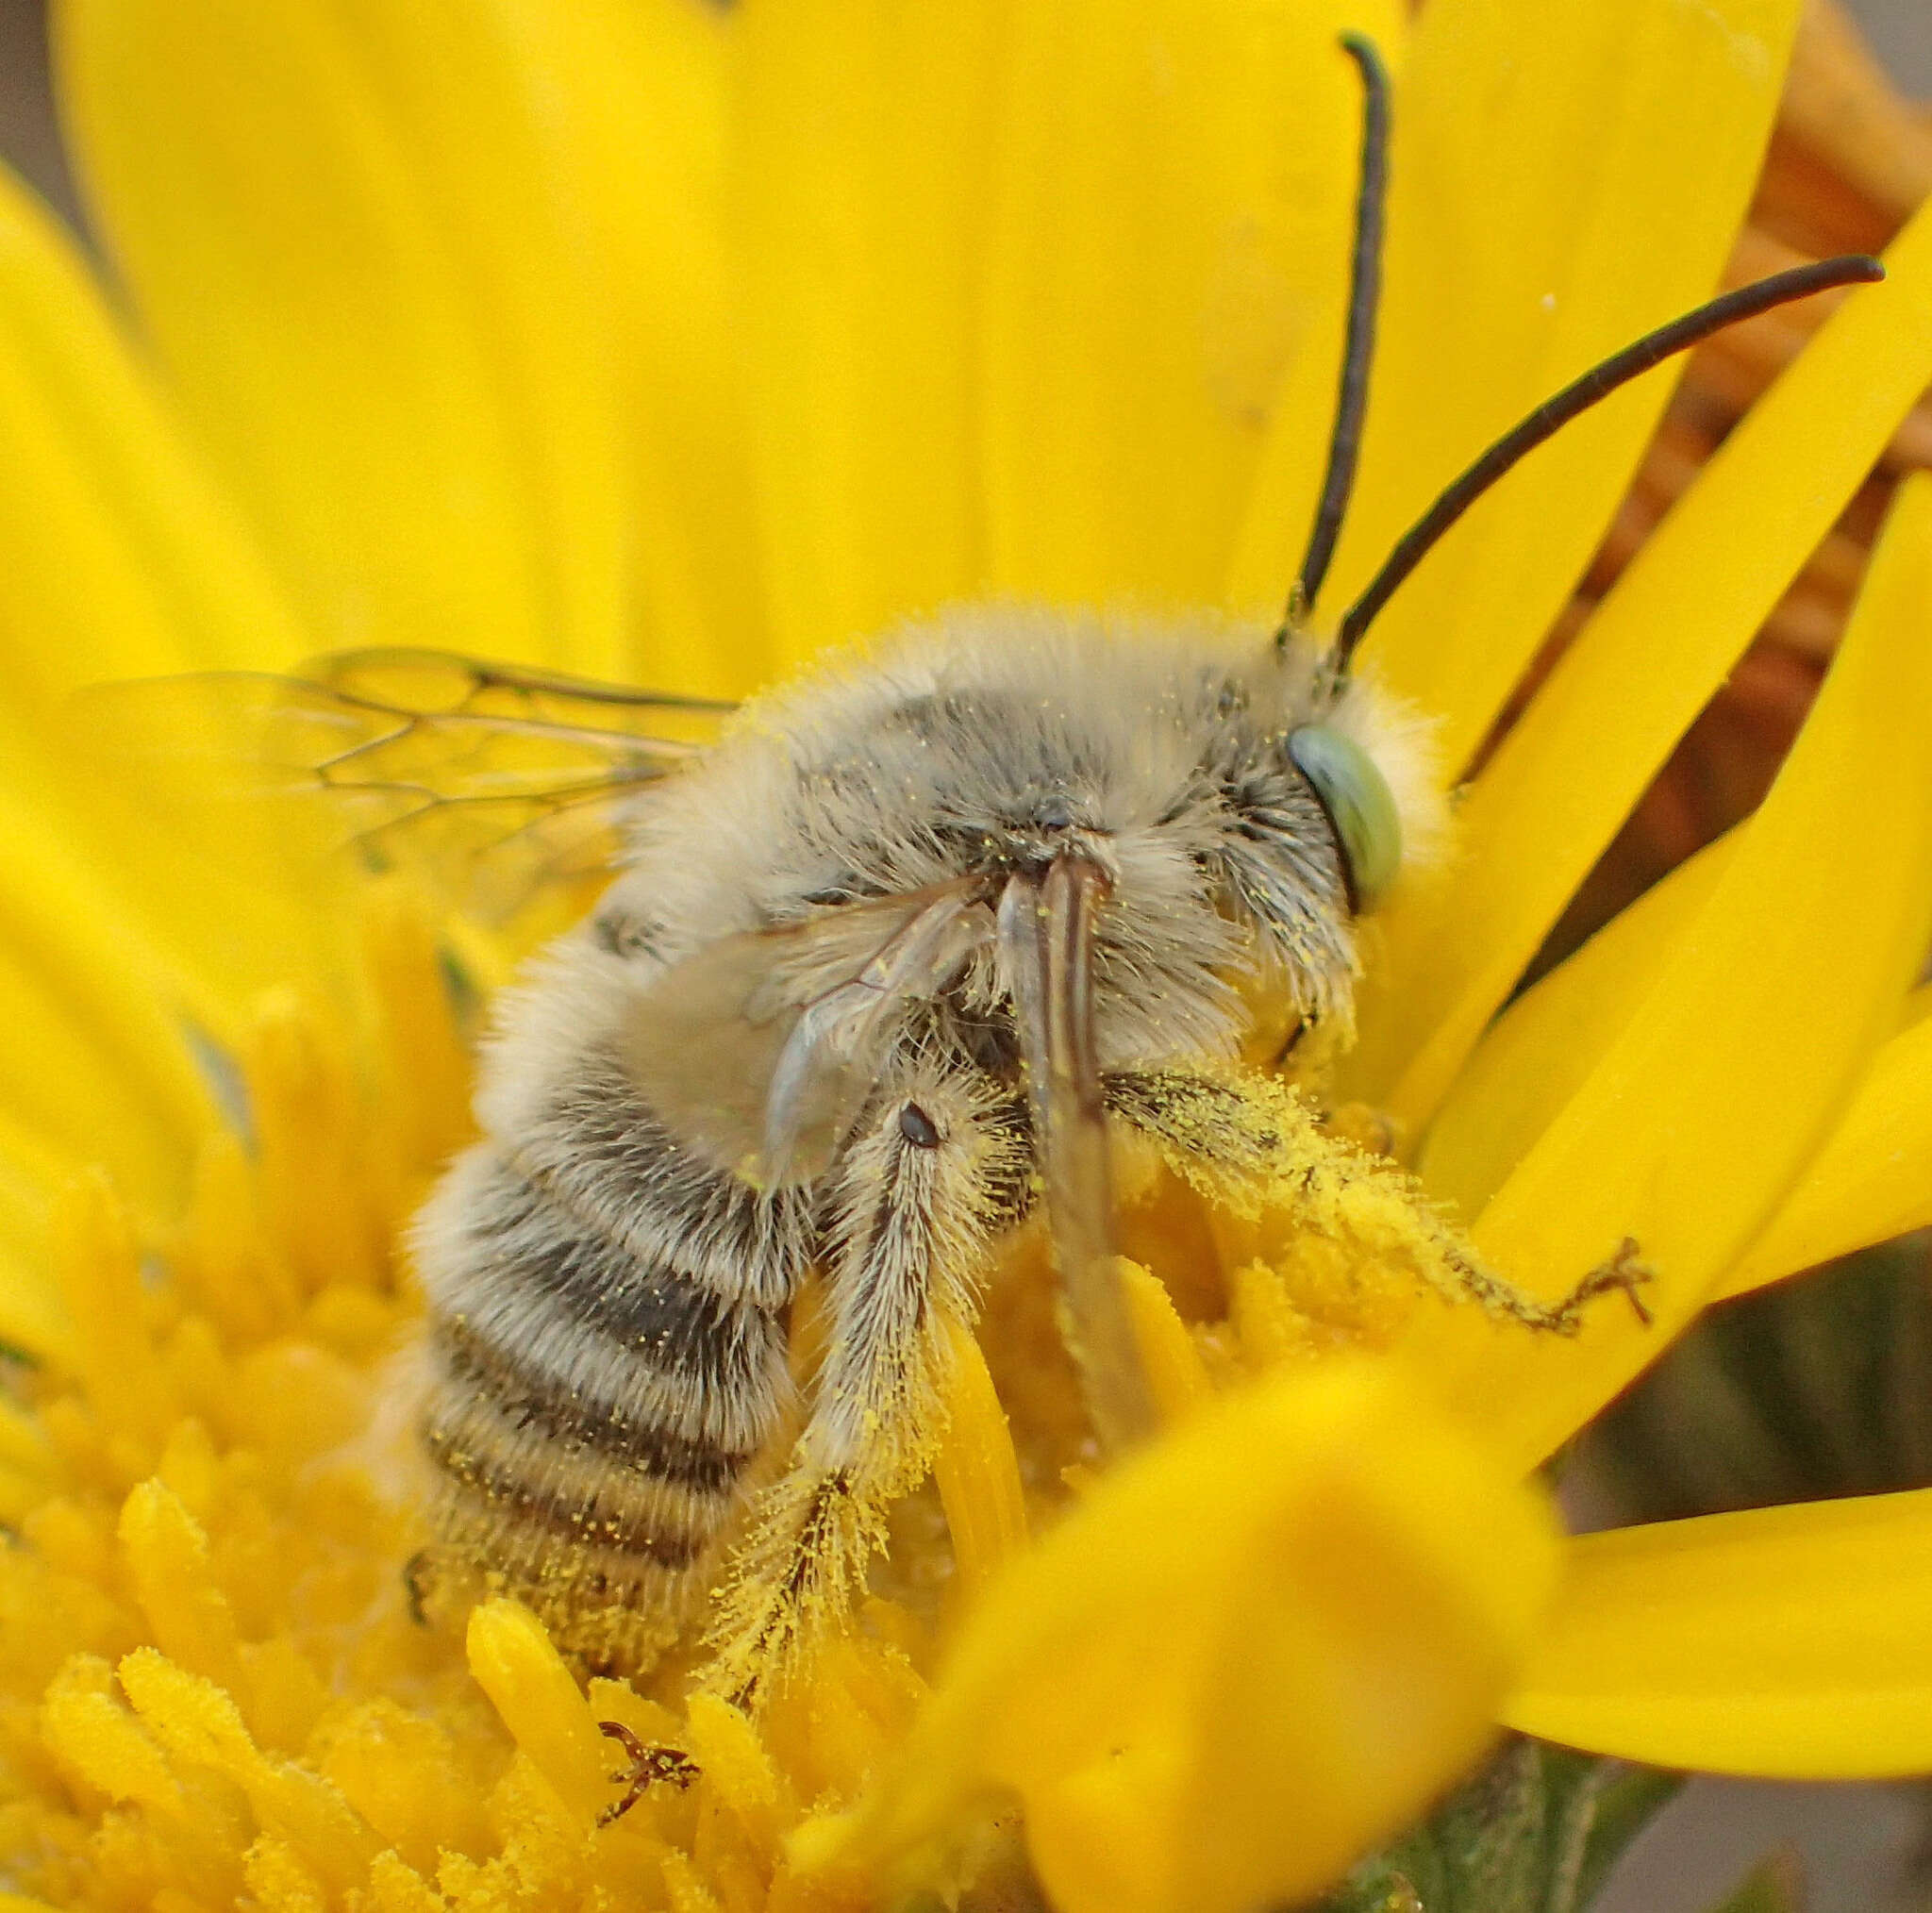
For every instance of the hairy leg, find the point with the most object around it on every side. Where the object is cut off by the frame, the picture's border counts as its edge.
(1244, 1138)
(922, 1190)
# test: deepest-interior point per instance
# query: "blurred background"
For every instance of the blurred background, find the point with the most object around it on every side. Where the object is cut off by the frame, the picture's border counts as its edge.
(1819, 1387)
(1901, 34)
(28, 135)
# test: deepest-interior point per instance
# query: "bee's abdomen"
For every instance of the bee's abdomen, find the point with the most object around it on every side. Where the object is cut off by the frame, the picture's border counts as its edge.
(591, 1410)
(531, 1401)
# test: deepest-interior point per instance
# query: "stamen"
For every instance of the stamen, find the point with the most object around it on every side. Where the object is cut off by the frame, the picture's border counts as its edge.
(976, 1469)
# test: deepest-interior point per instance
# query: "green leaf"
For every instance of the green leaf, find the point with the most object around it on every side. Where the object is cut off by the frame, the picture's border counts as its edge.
(1535, 1831)
(1775, 1884)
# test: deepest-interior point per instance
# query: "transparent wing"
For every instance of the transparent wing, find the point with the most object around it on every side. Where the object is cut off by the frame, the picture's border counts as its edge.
(494, 782)
(762, 1049)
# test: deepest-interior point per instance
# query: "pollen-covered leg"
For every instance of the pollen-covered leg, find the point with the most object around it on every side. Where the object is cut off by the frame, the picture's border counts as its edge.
(920, 1194)
(1621, 1274)
(1243, 1139)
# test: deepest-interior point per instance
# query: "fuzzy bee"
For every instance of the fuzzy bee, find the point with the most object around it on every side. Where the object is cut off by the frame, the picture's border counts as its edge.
(877, 964)
(880, 966)
(880, 970)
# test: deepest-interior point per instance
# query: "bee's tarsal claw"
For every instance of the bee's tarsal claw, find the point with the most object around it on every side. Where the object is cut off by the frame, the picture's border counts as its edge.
(651, 1765)
(1625, 1272)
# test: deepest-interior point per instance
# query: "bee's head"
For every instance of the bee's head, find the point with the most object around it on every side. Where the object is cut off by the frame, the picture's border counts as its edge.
(1241, 815)
(1301, 804)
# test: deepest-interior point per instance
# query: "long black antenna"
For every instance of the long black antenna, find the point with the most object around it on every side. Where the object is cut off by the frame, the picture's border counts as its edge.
(1576, 398)
(1364, 294)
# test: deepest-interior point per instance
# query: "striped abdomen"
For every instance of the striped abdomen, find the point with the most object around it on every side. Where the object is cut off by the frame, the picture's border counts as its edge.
(607, 1357)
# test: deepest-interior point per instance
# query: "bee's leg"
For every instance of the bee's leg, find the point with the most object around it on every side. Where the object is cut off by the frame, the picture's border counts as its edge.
(651, 1765)
(1244, 1132)
(918, 1196)
(1623, 1272)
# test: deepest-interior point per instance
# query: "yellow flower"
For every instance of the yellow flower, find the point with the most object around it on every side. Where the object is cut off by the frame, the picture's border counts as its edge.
(667, 343)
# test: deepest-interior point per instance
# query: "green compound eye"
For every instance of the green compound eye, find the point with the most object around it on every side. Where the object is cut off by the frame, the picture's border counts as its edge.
(1359, 805)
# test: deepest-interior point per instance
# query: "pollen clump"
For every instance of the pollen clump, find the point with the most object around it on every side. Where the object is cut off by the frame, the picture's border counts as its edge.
(1291, 1236)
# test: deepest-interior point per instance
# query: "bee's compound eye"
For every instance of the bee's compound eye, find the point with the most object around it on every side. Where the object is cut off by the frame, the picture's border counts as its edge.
(1359, 805)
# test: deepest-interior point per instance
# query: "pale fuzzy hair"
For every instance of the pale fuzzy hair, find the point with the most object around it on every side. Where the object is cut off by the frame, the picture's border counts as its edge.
(1127, 684)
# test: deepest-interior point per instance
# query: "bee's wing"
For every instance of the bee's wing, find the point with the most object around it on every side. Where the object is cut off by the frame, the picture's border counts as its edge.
(760, 1049)
(495, 781)
(1047, 930)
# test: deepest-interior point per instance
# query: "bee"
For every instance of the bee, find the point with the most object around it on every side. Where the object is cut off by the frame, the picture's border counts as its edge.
(880, 966)
(879, 972)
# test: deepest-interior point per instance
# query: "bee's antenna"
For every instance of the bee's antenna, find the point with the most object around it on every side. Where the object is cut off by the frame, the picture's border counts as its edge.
(1575, 398)
(1364, 292)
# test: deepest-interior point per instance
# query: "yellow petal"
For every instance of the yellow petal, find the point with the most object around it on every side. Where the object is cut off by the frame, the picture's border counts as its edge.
(638, 103)
(1337, 1581)
(1786, 1642)
(1696, 1119)
(1871, 1181)
(1557, 193)
(94, 1066)
(119, 559)
(346, 232)
(1659, 646)
(1166, 253)
(32, 1316)
(1176, 1376)
(977, 1471)
(99, 1266)
(137, 924)
(1541, 1050)
(515, 1664)
(861, 135)
(200, 1727)
(166, 1552)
